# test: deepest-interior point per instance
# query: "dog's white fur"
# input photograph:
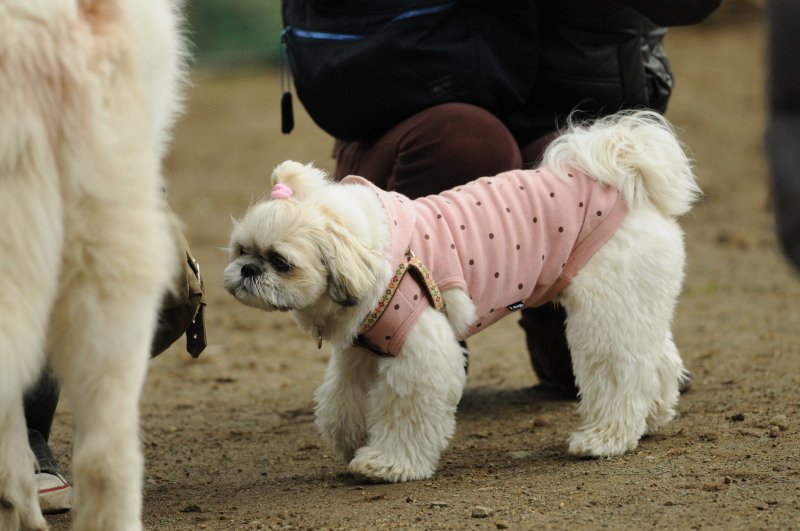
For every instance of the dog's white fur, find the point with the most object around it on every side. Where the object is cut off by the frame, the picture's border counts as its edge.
(89, 90)
(390, 418)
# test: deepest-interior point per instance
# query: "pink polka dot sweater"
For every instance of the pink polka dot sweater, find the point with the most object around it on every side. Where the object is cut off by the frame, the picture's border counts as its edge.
(509, 241)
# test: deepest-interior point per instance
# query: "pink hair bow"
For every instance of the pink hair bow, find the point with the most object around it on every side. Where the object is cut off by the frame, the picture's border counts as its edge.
(281, 191)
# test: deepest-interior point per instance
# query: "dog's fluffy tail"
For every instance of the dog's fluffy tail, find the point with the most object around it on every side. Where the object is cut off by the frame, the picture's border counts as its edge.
(637, 152)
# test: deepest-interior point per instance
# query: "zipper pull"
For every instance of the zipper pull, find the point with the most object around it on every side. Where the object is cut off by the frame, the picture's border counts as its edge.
(287, 111)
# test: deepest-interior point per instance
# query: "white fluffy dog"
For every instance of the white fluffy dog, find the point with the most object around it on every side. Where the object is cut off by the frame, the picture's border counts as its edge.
(330, 253)
(89, 90)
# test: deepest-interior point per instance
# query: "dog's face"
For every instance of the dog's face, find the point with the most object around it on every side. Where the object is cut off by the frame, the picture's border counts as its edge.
(274, 260)
(288, 252)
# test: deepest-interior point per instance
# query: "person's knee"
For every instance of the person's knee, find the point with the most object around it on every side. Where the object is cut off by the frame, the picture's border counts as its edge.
(470, 134)
(452, 144)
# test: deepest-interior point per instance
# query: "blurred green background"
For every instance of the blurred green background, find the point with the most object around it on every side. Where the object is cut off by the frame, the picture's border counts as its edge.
(234, 32)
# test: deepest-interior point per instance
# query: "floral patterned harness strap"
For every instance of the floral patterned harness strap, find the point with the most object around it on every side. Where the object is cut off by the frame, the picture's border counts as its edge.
(420, 273)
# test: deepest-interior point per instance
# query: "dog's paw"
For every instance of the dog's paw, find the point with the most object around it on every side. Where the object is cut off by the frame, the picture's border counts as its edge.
(19, 503)
(659, 419)
(21, 516)
(594, 442)
(340, 445)
(371, 464)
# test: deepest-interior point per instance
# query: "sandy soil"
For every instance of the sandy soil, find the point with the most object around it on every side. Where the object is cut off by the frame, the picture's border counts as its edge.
(230, 441)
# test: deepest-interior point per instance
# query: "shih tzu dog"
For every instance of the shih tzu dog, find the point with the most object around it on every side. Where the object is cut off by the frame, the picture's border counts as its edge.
(395, 284)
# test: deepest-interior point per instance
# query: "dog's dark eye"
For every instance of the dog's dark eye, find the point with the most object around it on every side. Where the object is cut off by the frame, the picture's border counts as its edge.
(278, 262)
(242, 251)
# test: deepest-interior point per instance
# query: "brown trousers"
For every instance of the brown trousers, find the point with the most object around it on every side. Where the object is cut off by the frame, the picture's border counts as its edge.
(445, 146)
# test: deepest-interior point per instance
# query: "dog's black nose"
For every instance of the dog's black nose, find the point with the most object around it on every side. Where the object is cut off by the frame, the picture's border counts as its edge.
(251, 270)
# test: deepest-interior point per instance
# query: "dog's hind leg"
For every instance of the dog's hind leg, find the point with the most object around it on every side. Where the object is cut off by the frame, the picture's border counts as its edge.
(619, 311)
(412, 405)
(670, 375)
(116, 270)
(341, 401)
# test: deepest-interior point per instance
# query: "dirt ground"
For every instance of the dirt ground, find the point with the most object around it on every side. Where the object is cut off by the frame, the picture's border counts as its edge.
(229, 438)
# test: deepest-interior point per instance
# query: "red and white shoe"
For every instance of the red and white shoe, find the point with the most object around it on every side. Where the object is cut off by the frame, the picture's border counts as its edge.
(55, 493)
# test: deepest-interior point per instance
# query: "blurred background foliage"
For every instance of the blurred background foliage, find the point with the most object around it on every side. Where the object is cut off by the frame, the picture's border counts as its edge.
(234, 32)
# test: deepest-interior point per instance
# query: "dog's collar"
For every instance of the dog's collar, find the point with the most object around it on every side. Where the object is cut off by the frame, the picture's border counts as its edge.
(413, 265)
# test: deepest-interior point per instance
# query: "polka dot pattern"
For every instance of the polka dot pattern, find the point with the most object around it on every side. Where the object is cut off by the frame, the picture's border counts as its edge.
(505, 240)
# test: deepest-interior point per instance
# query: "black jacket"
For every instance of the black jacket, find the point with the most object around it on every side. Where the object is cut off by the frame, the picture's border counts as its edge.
(359, 69)
(601, 56)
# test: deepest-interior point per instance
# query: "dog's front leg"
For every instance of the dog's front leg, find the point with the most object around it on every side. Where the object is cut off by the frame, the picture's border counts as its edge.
(340, 402)
(411, 407)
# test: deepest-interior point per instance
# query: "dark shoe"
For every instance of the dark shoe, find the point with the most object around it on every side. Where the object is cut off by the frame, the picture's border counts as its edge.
(466, 356)
(546, 337)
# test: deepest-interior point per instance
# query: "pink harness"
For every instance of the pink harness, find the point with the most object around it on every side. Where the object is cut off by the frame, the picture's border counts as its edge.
(510, 241)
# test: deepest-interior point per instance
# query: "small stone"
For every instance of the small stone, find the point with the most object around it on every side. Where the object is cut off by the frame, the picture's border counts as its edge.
(774, 431)
(501, 524)
(439, 504)
(481, 512)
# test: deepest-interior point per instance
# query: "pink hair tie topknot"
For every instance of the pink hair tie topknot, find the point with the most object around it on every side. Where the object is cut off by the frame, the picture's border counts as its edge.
(281, 191)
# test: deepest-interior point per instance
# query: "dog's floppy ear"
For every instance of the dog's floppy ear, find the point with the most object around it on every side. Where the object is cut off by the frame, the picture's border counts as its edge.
(352, 266)
(297, 180)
